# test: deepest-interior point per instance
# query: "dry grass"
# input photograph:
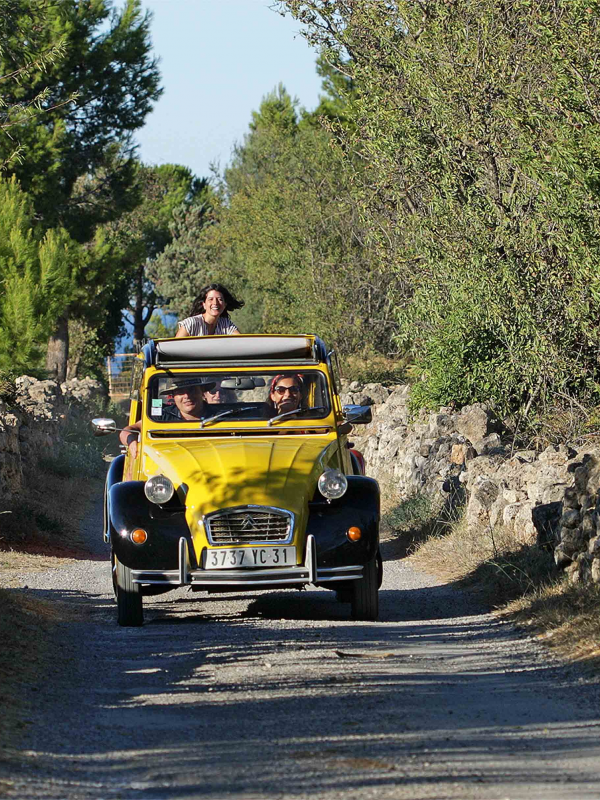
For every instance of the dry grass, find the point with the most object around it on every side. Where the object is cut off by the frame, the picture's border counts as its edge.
(521, 583)
(45, 522)
(565, 617)
(491, 562)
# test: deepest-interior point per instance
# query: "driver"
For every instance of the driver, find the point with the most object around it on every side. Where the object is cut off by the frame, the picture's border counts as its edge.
(188, 396)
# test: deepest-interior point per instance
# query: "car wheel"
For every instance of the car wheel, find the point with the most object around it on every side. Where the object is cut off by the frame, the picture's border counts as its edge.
(130, 611)
(365, 594)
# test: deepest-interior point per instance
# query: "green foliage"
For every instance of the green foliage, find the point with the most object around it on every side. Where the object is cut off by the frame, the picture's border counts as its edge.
(371, 367)
(37, 274)
(477, 123)
(79, 454)
(140, 235)
(283, 233)
(104, 59)
(20, 25)
(78, 81)
(190, 260)
(157, 329)
(8, 387)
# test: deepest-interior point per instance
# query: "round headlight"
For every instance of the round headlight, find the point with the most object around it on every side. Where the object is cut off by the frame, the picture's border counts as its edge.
(332, 484)
(159, 489)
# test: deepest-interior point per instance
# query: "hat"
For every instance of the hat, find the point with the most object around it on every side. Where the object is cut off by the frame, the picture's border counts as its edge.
(187, 383)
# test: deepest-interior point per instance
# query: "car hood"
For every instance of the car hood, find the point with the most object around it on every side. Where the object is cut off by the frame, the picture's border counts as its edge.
(220, 473)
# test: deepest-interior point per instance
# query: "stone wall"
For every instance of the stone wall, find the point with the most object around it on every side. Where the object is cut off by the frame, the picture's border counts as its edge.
(34, 426)
(550, 498)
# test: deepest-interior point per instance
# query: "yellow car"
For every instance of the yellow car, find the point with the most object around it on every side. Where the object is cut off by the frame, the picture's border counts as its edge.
(241, 478)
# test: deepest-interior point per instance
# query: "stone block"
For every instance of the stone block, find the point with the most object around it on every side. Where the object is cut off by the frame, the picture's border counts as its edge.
(594, 546)
(488, 444)
(475, 422)
(561, 559)
(588, 525)
(555, 455)
(486, 492)
(580, 474)
(570, 518)
(571, 498)
(572, 541)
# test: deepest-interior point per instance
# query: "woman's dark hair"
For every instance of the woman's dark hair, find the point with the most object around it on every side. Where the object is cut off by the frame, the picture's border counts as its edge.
(231, 303)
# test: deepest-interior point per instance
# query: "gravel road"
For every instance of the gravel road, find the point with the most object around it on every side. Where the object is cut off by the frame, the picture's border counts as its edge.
(279, 695)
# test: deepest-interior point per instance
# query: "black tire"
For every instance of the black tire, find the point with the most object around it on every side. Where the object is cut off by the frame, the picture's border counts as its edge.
(379, 561)
(365, 594)
(130, 610)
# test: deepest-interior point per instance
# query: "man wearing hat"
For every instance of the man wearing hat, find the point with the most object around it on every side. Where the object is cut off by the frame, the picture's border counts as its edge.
(188, 397)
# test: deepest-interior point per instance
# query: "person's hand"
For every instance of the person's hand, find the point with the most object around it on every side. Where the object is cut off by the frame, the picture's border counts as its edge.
(129, 437)
(132, 444)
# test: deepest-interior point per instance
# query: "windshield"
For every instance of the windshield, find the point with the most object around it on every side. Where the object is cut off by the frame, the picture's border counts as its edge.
(210, 398)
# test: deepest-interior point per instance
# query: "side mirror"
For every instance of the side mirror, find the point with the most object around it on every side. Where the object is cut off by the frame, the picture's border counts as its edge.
(358, 415)
(103, 426)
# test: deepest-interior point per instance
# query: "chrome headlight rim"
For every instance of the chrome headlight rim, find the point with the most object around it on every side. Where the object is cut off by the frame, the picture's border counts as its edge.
(332, 484)
(159, 489)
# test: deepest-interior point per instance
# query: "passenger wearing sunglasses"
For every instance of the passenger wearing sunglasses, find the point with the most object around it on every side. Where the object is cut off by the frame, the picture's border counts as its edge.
(286, 394)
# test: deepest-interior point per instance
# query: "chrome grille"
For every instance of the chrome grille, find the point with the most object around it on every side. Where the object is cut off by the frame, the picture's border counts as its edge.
(253, 524)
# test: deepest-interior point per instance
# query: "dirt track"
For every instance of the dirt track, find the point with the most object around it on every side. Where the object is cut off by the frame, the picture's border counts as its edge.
(280, 696)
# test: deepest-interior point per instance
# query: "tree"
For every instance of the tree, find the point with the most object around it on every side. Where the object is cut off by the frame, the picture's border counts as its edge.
(106, 61)
(188, 262)
(284, 231)
(142, 234)
(78, 171)
(477, 124)
(37, 273)
(20, 26)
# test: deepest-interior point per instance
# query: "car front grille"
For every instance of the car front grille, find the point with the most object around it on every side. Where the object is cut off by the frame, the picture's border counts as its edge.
(249, 525)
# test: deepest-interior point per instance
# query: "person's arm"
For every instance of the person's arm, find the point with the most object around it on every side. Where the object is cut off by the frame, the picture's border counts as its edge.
(130, 436)
(181, 331)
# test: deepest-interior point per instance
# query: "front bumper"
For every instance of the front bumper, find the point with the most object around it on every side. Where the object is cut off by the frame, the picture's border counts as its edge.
(301, 574)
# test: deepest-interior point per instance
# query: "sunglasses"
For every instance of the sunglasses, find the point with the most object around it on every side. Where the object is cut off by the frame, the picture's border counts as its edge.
(284, 389)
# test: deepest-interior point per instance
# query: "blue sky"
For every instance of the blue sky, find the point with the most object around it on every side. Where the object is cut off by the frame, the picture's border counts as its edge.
(218, 58)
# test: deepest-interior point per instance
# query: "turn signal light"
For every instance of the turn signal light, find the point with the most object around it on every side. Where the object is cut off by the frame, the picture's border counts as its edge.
(139, 536)
(354, 533)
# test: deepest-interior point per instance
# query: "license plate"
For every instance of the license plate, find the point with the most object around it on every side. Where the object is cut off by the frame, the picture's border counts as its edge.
(231, 558)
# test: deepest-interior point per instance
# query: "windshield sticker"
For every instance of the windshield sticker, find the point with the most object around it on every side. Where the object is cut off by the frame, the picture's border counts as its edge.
(156, 410)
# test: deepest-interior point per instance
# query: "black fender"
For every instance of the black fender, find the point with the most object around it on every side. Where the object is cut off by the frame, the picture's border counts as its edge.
(130, 509)
(114, 475)
(328, 523)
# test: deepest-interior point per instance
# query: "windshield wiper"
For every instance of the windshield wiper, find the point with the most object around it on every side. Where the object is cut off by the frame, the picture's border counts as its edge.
(204, 422)
(295, 411)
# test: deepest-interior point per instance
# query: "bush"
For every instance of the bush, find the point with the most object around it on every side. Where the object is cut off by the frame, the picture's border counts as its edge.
(375, 368)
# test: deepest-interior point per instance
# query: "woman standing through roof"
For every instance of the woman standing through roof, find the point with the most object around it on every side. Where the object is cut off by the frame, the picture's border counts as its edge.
(210, 313)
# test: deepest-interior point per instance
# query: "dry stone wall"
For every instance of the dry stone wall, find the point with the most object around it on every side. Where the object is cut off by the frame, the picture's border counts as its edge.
(549, 498)
(35, 425)
(463, 455)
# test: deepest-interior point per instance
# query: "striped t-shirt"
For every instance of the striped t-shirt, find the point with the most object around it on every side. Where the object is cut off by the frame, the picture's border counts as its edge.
(196, 326)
